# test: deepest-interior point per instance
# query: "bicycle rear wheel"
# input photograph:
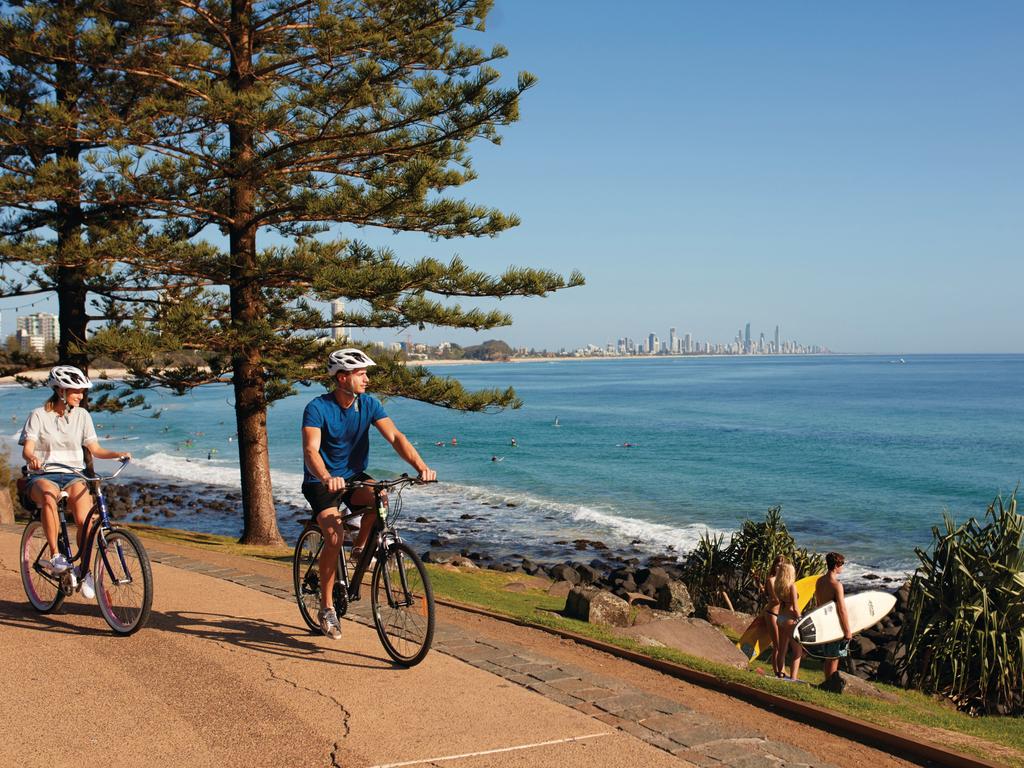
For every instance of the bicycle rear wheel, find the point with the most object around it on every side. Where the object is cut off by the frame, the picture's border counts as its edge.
(124, 580)
(42, 589)
(306, 579)
(403, 605)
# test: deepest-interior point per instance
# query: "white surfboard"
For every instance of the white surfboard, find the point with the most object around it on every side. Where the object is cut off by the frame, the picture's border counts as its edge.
(863, 610)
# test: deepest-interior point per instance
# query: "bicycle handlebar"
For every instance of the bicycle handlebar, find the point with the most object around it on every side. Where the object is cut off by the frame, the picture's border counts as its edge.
(403, 479)
(57, 467)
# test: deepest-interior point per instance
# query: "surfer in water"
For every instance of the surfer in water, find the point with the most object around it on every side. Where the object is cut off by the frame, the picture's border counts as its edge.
(829, 589)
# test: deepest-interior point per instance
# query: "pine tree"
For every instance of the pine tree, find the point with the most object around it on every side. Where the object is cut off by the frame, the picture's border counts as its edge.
(65, 228)
(292, 118)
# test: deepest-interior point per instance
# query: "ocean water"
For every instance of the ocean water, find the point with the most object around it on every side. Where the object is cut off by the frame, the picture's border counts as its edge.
(863, 453)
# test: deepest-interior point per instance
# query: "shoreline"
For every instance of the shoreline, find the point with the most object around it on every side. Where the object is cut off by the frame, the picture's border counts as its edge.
(207, 508)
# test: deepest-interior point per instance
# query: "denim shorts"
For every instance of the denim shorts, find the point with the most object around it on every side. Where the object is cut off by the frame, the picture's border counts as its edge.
(61, 479)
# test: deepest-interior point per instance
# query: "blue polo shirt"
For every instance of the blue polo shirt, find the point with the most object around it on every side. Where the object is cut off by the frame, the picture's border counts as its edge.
(344, 433)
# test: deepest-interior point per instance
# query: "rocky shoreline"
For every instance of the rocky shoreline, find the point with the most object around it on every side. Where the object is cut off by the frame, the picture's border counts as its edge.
(594, 578)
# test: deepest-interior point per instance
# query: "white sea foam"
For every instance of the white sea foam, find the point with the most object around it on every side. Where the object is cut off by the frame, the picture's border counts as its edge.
(498, 518)
(221, 472)
(512, 518)
(854, 573)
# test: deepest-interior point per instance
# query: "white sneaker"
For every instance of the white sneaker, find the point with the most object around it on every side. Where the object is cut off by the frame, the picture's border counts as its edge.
(58, 564)
(329, 623)
(88, 587)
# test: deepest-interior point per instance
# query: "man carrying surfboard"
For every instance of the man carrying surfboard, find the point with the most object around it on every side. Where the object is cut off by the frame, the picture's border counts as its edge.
(830, 589)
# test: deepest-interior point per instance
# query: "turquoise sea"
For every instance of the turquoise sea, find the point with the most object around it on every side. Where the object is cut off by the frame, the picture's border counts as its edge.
(863, 453)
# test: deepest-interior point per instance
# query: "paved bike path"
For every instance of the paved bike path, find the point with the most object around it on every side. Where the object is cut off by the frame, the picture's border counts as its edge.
(226, 674)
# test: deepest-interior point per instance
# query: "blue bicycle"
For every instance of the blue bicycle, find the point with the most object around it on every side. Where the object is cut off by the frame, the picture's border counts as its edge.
(121, 569)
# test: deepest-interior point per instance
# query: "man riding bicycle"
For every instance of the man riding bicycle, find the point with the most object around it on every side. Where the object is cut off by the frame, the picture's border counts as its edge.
(335, 449)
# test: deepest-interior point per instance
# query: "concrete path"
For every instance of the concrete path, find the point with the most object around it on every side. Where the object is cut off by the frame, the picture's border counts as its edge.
(226, 674)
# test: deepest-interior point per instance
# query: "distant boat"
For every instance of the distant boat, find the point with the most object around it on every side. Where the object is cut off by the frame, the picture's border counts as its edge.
(556, 424)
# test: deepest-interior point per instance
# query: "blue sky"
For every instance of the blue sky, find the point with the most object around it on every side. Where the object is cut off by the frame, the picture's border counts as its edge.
(852, 172)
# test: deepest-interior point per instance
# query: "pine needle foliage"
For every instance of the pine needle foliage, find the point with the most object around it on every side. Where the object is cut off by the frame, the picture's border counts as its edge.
(965, 632)
(63, 105)
(273, 131)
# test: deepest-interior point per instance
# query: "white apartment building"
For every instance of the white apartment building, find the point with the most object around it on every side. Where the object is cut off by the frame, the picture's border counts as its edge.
(35, 331)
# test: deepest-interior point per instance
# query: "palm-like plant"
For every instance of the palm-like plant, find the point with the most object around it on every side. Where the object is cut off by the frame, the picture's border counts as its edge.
(745, 562)
(756, 545)
(965, 631)
(707, 569)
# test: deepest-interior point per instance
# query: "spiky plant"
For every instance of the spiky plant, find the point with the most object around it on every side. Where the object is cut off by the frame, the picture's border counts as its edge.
(756, 545)
(965, 632)
(707, 568)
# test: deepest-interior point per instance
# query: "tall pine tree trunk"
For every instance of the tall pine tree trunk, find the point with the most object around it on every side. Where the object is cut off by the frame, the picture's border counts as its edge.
(259, 514)
(70, 278)
(247, 310)
(71, 297)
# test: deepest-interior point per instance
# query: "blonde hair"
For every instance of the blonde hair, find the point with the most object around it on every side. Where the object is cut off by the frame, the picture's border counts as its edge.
(784, 581)
(51, 404)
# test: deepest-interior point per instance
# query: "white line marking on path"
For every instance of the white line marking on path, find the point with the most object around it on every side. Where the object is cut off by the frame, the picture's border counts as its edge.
(493, 751)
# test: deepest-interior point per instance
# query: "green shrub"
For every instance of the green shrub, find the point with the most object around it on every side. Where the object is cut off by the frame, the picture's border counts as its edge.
(756, 545)
(742, 566)
(707, 570)
(965, 627)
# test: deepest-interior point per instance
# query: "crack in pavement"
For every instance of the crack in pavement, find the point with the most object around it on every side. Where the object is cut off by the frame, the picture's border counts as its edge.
(273, 675)
(345, 714)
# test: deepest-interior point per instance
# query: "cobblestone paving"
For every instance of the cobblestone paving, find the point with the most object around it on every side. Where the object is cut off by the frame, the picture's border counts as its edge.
(663, 723)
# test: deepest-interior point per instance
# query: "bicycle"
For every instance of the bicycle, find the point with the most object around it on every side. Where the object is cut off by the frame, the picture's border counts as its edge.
(401, 599)
(122, 573)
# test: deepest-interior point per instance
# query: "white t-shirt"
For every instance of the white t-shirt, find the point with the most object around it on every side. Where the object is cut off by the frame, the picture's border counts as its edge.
(59, 439)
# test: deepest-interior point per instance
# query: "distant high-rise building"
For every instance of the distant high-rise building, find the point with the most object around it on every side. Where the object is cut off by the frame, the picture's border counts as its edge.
(673, 341)
(688, 343)
(338, 331)
(746, 339)
(777, 348)
(34, 332)
(41, 324)
(653, 345)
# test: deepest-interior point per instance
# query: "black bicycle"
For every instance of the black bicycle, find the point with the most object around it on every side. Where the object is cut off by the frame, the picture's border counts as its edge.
(401, 599)
(121, 571)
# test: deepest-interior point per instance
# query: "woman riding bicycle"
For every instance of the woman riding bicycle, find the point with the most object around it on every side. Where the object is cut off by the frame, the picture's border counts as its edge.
(56, 434)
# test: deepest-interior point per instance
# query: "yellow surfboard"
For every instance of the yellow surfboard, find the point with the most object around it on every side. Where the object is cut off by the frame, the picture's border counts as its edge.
(757, 638)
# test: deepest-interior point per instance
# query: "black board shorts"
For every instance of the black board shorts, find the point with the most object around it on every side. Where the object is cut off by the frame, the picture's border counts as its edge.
(319, 498)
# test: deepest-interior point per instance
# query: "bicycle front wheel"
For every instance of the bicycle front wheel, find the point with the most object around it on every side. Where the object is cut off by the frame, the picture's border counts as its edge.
(124, 580)
(42, 589)
(403, 605)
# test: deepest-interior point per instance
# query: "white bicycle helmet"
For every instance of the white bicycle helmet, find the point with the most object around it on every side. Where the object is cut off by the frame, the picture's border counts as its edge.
(350, 359)
(67, 377)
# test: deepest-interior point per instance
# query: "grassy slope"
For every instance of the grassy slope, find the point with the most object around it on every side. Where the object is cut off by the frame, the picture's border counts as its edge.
(994, 738)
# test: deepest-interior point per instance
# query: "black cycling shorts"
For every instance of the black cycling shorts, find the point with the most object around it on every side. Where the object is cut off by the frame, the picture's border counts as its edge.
(320, 498)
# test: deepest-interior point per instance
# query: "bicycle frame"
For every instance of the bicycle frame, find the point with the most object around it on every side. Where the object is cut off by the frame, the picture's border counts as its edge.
(383, 533)
(96, 530)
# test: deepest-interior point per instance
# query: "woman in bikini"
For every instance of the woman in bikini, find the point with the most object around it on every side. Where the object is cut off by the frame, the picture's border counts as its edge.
(771, 611)
(789, 615)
